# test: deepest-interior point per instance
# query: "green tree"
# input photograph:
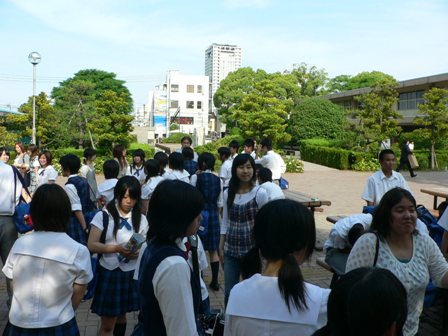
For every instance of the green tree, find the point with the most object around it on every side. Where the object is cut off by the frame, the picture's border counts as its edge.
(433, 117)
(364, 79)
(233, 89)
(262, 113)
(316, 117)
(376, 119)
(82, 100)
(46, 120)
(310, 80)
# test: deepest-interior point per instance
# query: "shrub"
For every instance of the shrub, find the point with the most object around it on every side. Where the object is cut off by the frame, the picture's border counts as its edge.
(327, 156)
(175, 137)
(293, 165)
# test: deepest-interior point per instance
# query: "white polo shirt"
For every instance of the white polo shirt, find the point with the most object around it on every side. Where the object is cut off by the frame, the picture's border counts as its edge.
(225, 173)
(273, 190)
(8, 198)
(274, 162)
(44, 266)
(378, 184)
(106, 189)
(47, 174)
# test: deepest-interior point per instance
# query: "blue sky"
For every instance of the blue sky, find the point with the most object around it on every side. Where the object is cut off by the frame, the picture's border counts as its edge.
(140, 40)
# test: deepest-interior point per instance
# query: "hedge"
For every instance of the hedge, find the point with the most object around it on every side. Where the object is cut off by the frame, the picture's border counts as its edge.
(327, 156)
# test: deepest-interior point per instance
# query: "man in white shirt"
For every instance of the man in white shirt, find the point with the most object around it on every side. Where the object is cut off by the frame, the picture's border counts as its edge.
(248, 148)
(186, 141)
(234, 147)
(383, 180)
(10, 191)
(271, 160)
(265, 181)
(225, 172)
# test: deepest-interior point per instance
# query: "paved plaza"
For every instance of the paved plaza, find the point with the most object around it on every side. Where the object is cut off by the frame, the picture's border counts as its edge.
(342, 188)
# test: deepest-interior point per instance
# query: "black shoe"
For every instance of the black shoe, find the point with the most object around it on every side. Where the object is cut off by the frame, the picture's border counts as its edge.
(414, 175)
(214, 286)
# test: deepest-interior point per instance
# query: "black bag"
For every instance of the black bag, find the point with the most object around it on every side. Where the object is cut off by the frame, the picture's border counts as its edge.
(212, 324)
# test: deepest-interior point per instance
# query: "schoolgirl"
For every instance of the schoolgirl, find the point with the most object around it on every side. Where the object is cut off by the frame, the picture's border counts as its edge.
(119, 154)
(210, 187)
(152, 171)
(177, 171)
(162, 157)
(46, 173)
(116, 292)
(106, 188)
(22, 160)
(240, 205)
(88, 172)
(33, 152)
(137, 167)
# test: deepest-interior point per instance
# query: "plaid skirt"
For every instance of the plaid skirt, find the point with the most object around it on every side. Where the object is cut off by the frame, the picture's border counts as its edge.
(76, 232)
(69, 328)
(116, 293)
(210, 240)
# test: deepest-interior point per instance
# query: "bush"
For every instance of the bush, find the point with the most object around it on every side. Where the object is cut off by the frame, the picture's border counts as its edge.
(293, 165)
(148, 149)
(327, 156)
(212, 147)
(366, 164)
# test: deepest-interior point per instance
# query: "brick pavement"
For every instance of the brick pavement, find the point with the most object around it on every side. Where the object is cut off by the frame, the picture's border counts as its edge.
(342, 188)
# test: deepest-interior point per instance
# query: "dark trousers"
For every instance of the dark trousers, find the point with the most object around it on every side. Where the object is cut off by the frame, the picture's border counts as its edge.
(406, 163)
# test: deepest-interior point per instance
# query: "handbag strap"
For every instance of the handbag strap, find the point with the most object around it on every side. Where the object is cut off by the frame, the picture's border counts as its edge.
(377, 248)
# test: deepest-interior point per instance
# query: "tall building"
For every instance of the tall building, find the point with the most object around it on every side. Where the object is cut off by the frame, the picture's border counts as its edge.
(220, 60)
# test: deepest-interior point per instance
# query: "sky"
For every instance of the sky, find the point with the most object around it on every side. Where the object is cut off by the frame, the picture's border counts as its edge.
(140, 40)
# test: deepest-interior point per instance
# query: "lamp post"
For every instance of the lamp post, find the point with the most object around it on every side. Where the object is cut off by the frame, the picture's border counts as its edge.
(34, 59)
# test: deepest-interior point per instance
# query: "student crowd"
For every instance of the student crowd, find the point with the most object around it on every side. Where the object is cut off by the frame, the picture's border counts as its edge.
(183, 209)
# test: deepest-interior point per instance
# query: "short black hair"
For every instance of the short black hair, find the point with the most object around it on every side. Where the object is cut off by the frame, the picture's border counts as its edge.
(234, 144)
(383, 212)
(173, 207)
(266, 142)
(4, 149)
(264, 175)
(384, 152)
(206, 161)
(249, 142)
(111, 169)
(186, 138)
(50, 209)
(89, 152)
(162, 157)
(152, 168)
(48, 156)
(140, 153)
(354, 233)
(224, 151)
(188, 153)
(176, 161)
(70, 162)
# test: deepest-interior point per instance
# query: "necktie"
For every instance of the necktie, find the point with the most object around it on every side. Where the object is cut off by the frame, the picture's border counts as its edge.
(137, 171)
(188, 247)
(124, 223)
(42, 172)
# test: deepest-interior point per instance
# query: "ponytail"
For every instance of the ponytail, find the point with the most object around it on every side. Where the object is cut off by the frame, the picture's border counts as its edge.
(251, 263)
(291, 283)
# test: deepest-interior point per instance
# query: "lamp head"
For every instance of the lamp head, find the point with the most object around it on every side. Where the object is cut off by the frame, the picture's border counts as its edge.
(34, 58)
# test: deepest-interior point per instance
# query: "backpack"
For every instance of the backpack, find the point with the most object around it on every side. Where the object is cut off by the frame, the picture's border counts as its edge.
(435, 230)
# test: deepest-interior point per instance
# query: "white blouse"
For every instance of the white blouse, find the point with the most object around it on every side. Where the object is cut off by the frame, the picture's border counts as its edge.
(427, 262)
(256, 307)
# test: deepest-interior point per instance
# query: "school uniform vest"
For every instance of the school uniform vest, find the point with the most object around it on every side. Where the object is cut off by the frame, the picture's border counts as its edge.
(210, 187)
(82, 188)
(150, 313)
(190, 166)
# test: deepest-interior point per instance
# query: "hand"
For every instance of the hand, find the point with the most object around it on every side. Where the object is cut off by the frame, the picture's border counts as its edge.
(221, 256)
(126, 253)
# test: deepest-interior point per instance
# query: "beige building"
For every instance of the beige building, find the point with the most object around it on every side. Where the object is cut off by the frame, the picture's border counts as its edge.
(410, 96)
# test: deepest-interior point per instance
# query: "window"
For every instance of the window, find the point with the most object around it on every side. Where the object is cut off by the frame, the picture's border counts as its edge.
(183, 120)
(190, 104)
(410, 100)
(199, 105)
(174, 104)
(199, 89)
(174, 87)
(190, 88)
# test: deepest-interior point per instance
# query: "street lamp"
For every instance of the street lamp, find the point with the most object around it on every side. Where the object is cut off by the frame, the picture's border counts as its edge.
(34, 59)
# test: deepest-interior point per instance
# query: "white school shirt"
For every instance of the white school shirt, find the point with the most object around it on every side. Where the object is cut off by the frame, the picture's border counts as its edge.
(8, 196)
(253, 154)
(106, 189)
(88, 172)
(47, 174)
(194, 180)
(378, 184)
(427, 262)
(273, 190)
(149, 187)
(110, 261)
(225, 172)
(73, 196)
(274, 162)
(138, 173)
(178, 175)
(256, 307)
(44, 266)
(202, 259)
(260, 195)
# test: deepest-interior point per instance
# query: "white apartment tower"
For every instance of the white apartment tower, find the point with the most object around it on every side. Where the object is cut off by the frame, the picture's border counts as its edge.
(220, 60)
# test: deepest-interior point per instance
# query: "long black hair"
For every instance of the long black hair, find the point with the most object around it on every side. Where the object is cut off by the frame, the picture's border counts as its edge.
(131, 184)
(234, 182)
(282, 228)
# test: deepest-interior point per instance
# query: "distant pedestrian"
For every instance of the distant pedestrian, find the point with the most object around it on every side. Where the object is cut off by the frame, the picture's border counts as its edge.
(88, 172)
(22, 160)
(271, 160)
(404, 158)
(46, 173)
(111, 169)
(119, 154)
(186, 141)
(162, 157)
(234, 147)
(177, 171)
(225, 172)
(249, 148)
(190, 165)
(137, 167)
(33, 152)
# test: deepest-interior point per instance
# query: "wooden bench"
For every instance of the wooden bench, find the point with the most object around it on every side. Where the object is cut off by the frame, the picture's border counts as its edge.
(334, 219)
